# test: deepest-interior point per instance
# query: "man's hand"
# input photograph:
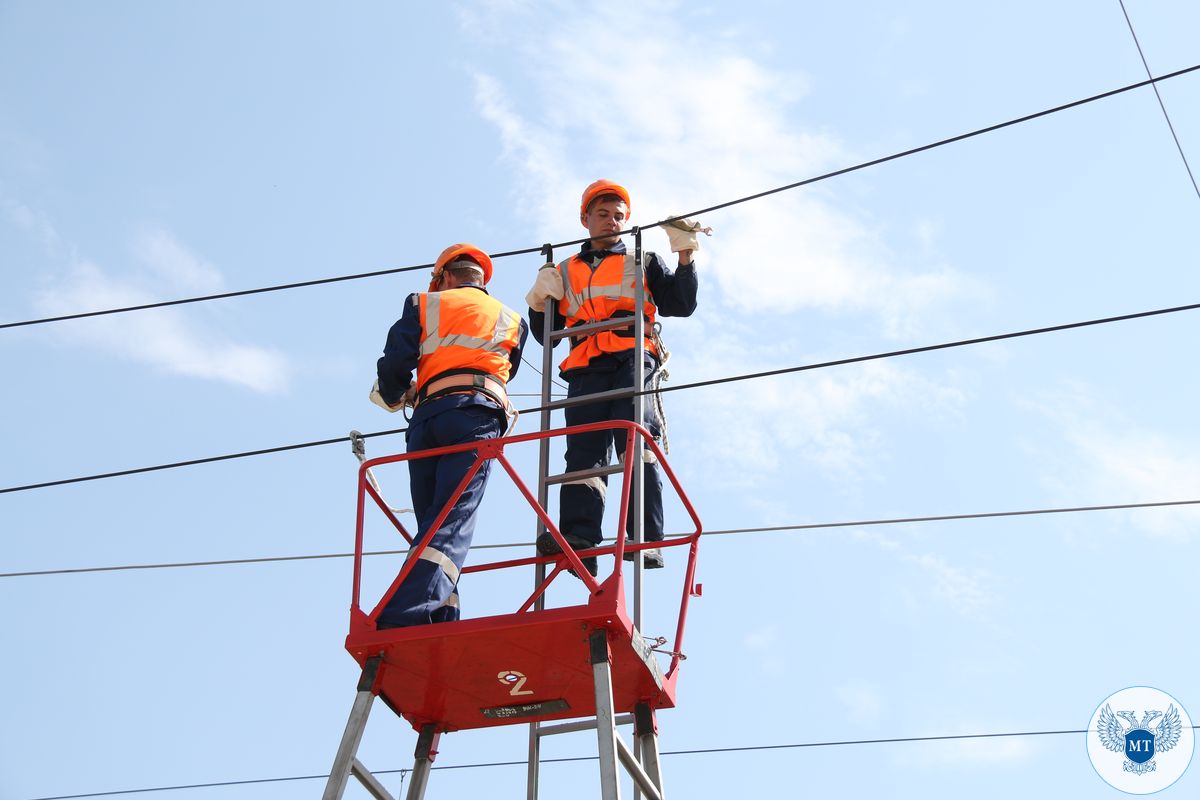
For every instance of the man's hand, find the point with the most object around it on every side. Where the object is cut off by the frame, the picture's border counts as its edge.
(376, 398)
(682, 233)
(548, 284)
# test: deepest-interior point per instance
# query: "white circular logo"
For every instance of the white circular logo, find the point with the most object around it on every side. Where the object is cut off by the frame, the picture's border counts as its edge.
(1140, 740)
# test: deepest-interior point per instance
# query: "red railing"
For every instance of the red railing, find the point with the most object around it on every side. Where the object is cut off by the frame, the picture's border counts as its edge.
(607, 591)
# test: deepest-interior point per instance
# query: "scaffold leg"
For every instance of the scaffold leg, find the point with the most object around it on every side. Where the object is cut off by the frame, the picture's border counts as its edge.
(645, 734)
(606, 723)
(345, 762)
(426, 752)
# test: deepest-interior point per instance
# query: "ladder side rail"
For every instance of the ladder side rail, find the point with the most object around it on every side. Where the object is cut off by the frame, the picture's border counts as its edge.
(540, 580)
(426, 751)
(606, 729)
(364, 697)
(639, 418)
(645, 732)
(635, 453)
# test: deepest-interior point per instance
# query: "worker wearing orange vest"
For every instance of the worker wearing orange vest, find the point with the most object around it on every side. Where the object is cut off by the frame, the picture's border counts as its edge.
(464, 347)
(597, 284)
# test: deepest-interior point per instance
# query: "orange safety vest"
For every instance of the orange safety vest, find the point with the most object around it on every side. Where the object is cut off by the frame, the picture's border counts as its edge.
(596, 295)
(465, 332)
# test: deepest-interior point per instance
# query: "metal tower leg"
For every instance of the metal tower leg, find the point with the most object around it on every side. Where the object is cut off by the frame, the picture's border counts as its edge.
(606, 724)
(345, 760)
(426, 752)
(645, 733)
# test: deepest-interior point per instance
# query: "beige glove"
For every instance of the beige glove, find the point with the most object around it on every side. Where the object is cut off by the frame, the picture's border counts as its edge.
(547, 284)
(376, 398)
(682, 233)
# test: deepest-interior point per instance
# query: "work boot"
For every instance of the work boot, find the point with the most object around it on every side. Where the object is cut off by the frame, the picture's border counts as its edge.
(548, 546)
(652, 558)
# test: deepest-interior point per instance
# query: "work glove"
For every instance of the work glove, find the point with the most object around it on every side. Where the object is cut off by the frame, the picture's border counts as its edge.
(409, 396)
(548, 284)
(682, 233)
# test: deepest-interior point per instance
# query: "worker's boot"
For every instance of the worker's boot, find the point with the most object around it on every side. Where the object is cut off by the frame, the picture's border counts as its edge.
(547, 545)
(652, 558)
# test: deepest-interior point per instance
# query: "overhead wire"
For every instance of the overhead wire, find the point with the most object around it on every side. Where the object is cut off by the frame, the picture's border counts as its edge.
(324, 281)
(1161, 104)
(809, 526)
(1150, 81)
(678, 387)
(569, 759)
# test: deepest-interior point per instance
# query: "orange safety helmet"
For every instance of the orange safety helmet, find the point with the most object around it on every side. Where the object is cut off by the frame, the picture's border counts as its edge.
(453, 253)
(602, 187)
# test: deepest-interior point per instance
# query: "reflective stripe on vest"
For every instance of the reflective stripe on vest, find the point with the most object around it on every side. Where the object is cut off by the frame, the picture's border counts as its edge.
(594, 295)
(465, 330)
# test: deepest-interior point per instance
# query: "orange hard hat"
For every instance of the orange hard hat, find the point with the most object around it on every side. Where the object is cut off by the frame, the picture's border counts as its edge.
(461, 250)
(602, 187)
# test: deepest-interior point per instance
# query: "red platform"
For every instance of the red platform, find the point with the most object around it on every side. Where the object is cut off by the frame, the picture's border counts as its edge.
(531, 665)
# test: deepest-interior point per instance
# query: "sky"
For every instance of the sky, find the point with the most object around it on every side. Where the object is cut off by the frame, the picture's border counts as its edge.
(155, 151)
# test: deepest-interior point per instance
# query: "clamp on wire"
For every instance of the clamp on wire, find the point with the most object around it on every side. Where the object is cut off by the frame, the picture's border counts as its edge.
(358, 446)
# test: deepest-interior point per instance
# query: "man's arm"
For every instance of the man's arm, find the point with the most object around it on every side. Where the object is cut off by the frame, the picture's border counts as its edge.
(674, 292)
(537, 321)
(514, 358)
(400, 353)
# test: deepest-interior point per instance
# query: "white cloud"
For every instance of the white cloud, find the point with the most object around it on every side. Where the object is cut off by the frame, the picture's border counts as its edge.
(687, 124)
(993, 751)
(767, 645)
(964, 591)
(162, 338)
(34, 224)
(1119, 462)
(820, 417)
(181, 268)
(863, 703)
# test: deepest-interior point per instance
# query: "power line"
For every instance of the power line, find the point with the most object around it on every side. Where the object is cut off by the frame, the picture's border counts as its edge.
(772, 529)
(1161, 104)
(693, 385)
(1151, 81)
(701, 751)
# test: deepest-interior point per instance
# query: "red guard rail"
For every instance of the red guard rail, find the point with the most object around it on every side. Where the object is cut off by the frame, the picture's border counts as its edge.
(605, 592)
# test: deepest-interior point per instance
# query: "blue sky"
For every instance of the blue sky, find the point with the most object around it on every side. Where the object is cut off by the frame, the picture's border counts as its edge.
(150, 151)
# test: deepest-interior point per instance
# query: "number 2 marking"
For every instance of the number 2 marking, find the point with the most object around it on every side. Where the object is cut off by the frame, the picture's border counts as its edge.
(510, 677)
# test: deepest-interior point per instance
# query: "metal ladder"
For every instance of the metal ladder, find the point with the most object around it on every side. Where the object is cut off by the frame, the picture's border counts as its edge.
(643, 762)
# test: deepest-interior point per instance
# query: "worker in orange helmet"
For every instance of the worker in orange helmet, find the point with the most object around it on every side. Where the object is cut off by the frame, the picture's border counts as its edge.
(464, 347)
(597, 284)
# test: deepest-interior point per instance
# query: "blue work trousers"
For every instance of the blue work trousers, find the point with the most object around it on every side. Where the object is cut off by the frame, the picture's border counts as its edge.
(430, 593)
(581, 505)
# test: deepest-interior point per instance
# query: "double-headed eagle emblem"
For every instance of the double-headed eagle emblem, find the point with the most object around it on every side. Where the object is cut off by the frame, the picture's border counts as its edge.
(1138, 742)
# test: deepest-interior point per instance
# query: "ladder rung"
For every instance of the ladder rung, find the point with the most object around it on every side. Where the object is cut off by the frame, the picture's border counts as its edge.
(584, 399)
(583, 474)
(582, 725)
(591, 327)
(369, 781)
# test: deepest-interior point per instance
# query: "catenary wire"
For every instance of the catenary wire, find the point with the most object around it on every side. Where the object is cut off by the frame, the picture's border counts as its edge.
(691, 752)
(1161, 104)
(863, 523)
(1152, 81)
(693, 385)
